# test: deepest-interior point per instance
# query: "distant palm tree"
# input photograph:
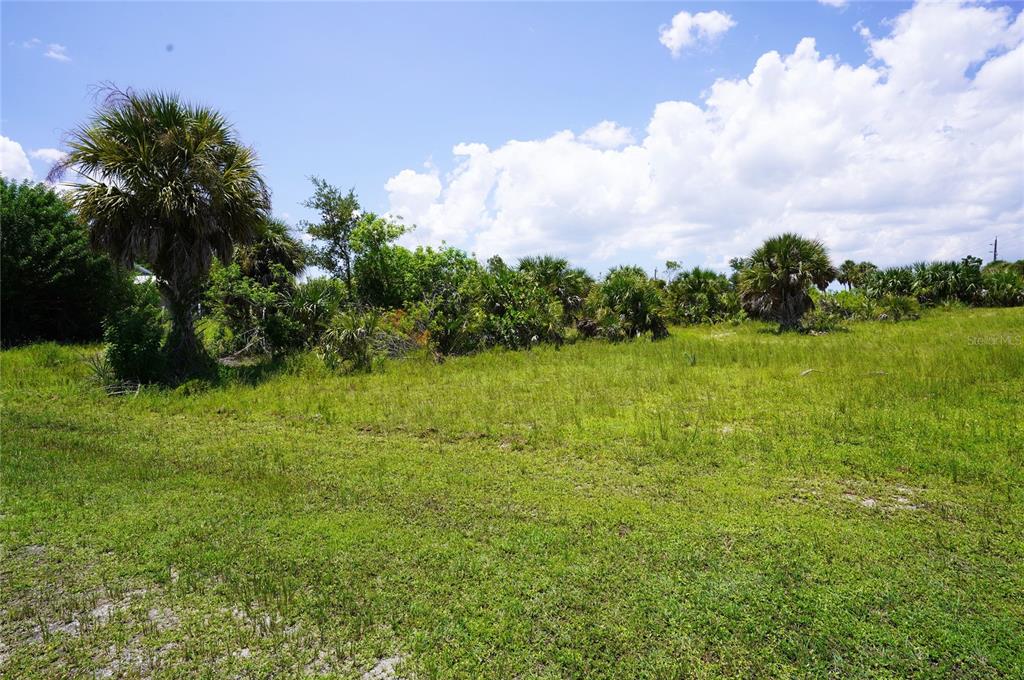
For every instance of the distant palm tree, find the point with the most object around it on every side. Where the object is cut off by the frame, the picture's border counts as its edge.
(168, 184)
(847, 273)
(775, 279)
(272, 245)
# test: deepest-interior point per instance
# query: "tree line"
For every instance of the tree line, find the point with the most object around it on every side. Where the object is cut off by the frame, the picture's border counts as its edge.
(167, 185)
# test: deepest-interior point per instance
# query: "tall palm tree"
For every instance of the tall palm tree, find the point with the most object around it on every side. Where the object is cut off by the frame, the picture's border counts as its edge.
(168, 184)
(776, 278)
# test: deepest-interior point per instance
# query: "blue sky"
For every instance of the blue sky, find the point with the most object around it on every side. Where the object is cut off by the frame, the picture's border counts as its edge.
(358, 93)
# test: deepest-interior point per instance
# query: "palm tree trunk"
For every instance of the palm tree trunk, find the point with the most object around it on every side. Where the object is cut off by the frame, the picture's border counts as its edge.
(184, 350)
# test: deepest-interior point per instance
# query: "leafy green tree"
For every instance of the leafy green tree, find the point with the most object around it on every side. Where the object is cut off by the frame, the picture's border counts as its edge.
(381, 266)
(251, 297)
(339, 214)
(166, 183)
(774, 281)
(53, 286)
(520, 312)
(443, 298)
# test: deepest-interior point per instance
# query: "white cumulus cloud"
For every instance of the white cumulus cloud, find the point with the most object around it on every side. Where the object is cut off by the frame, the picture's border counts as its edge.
(607, 135)
(917, 154)
(689, 30)
(14, 163)
(50, 156)
(833, 3)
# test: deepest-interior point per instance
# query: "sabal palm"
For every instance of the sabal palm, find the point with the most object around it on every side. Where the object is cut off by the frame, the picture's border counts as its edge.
(774, 283)
(168, 184)
(847, 273)
(272, 245)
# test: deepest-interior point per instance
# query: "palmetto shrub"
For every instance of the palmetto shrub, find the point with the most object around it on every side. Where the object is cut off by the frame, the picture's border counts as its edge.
(931, 283)
(627, 304)
(1001, 287)
(569, 285)
(936, 282)
(889, 281)
(854, 305)
(313, 303)
(353, 340)
(701, 296)
(519, 312)
(897, 308)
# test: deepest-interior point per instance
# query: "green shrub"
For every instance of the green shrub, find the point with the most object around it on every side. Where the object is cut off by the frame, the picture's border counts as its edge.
(1001, 287)
(931, 283)
(252, 317)
(135, 335)
(313, 304)
(353, 341)
(519, 312)
(897, 308)
(444, 293)
(846, 304)
(701, 296)
(818, 322)
(54, 286)
(627, 304)
(854, 305)
(569, 285)
(889, 281)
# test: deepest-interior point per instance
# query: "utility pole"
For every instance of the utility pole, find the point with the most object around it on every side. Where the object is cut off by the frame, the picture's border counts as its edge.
(995, 249)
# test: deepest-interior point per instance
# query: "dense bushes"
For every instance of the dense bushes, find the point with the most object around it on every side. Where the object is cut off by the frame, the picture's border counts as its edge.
(966, 282)
(627, 304)
(53, 286)
(701, 296)
(855, 305)
(1002, 286)
(135, 334)
(385, 299)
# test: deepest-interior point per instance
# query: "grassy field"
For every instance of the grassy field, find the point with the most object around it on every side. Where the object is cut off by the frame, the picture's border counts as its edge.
(728, 502)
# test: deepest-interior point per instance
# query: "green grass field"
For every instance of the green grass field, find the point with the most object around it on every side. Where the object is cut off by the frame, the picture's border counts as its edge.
(728, 502)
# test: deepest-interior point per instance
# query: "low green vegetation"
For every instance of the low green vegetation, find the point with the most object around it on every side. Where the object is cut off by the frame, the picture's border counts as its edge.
(727, 502)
